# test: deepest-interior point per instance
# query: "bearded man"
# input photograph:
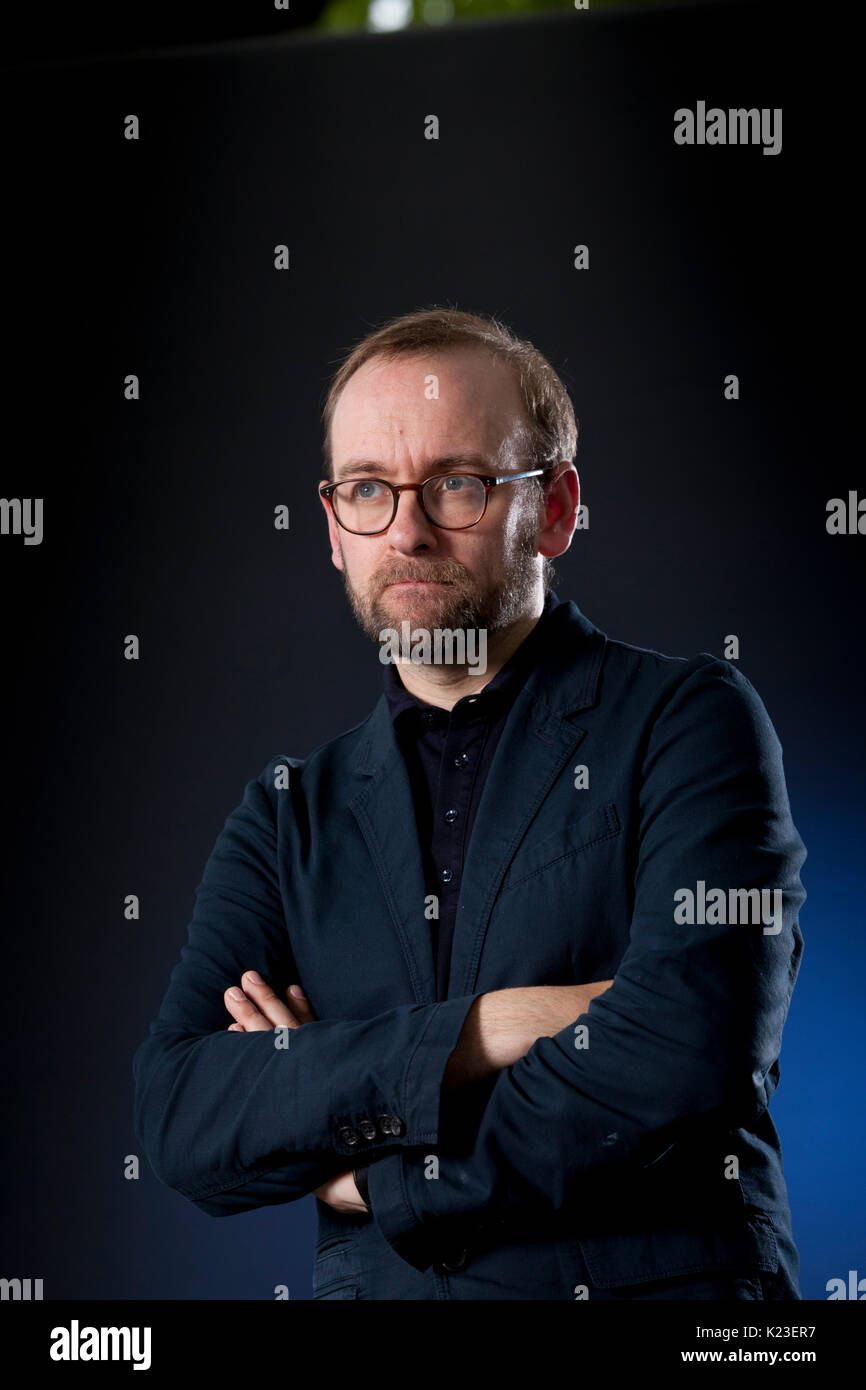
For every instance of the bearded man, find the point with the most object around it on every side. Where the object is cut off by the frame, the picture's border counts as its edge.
(468, 1012)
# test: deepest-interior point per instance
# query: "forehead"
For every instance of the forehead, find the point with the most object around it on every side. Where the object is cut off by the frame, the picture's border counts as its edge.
(428, 402)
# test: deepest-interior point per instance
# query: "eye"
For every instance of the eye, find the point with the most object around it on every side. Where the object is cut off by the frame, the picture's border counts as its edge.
(455, 482)
(366, 491)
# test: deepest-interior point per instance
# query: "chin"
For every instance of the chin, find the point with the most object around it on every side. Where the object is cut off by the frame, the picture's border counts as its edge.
(422, 607)
(400, 604)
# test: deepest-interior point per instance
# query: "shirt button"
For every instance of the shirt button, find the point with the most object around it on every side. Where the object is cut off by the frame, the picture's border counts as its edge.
(446, 875)
(451, 816)
(461, 760)
(456, 1261)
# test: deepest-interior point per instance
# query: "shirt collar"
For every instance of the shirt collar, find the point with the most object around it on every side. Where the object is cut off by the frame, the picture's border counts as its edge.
(503, 686)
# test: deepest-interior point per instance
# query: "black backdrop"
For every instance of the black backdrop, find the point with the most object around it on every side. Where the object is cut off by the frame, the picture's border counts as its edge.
(707, 516)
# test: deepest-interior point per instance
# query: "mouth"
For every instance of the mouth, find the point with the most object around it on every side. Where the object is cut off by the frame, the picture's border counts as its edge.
(416, 583)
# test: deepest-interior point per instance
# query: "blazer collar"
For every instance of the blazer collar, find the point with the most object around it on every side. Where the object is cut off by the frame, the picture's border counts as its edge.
(564, 677)
(504, 685)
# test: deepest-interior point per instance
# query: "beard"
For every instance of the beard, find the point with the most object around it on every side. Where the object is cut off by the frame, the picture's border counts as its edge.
(462, 602)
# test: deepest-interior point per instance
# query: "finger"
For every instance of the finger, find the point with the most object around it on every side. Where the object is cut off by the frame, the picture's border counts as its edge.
(236, 1028)
(300, 1004)
(244, 1011)
(267, 1002)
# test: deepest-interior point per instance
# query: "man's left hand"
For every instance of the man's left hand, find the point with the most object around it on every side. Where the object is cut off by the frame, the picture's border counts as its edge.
(258, 1008)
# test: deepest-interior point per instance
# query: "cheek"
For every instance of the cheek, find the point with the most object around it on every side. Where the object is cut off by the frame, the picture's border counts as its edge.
(358, 564)
(522, 526)
(482, 556)
(511, 532)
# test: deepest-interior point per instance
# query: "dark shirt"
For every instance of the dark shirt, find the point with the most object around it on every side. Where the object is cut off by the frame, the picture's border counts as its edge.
(448, 754)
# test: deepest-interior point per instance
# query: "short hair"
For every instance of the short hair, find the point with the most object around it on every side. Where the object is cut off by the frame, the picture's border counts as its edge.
(550, 420)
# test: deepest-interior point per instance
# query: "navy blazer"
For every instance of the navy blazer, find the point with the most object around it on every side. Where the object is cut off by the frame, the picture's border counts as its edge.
(635, 1145)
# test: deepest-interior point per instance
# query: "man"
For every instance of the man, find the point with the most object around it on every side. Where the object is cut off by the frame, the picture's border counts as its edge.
(543, 914)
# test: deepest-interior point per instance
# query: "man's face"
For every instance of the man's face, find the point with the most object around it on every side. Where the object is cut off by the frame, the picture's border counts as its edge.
(487, 576)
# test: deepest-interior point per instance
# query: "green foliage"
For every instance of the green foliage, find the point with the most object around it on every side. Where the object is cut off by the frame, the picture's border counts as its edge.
(430, 14)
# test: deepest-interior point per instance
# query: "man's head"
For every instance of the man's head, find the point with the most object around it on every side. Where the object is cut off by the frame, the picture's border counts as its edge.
(411, 400)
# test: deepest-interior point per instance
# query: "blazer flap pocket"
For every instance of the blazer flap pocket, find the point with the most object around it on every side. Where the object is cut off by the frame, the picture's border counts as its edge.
(581, 833)
(742, 1245)
(335, 1266)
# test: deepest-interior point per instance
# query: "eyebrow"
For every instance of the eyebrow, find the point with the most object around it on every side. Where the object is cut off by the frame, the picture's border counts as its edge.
(354, 467)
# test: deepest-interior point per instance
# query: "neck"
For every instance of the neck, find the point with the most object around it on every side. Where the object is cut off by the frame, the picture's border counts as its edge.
(444, 685)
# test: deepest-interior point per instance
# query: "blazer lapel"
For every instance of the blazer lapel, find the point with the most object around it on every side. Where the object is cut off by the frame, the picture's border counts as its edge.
(385, 813)
(537, 742)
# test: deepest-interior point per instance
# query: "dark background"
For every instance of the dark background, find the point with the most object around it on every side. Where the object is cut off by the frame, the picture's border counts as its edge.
(707, 517)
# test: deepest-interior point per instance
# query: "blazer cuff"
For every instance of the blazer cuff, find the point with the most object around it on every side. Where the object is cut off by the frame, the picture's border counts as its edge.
(395, 1064)
(425, 1072)
(361, 1175)
(392, 1209)
(418, 1211)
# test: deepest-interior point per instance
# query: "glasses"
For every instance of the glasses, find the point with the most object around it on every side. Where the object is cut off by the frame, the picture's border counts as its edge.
(453, 501)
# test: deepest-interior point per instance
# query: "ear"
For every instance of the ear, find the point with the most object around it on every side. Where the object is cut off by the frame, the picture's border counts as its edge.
(561, 505)
(333, 532)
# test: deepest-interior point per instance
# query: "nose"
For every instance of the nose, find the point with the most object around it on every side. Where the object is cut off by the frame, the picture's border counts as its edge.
(410, 530)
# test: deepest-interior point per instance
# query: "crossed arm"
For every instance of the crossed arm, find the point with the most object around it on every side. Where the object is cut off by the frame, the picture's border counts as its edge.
(501, 1027)
(688, 1031)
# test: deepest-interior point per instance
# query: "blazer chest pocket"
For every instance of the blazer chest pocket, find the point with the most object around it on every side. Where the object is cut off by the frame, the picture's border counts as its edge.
(578, 835)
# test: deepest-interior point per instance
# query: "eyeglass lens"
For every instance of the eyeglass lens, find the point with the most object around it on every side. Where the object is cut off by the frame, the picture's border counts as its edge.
(365, 505)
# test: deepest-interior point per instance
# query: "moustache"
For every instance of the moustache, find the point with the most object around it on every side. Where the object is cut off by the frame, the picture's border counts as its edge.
(441, 574)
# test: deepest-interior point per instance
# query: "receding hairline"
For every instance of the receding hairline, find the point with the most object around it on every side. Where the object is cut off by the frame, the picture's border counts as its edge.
(546, 429)
(388, 353)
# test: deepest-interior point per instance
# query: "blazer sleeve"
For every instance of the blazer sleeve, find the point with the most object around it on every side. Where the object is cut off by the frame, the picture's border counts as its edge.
(689, 1031)
(231, 1120)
